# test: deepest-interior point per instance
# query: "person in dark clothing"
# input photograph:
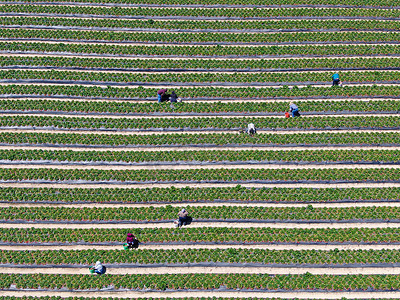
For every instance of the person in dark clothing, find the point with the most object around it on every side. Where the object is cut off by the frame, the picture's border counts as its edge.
(183, 217)
(161, 95)
(174, 97)
(132, 241)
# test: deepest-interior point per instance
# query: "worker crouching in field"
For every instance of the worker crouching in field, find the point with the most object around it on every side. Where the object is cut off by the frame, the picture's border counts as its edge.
(294, 109)
(335, 80)
(98, 269)
(162, 95)
(184, 218)
(132, 241)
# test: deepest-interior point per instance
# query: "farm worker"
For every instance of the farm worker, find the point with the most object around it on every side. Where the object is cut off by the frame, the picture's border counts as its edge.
(294, 109)
(335, 79)
(174, 97)
(251, 129)
(160, 94)
(183, 217)
(132, 241)
(99, 268)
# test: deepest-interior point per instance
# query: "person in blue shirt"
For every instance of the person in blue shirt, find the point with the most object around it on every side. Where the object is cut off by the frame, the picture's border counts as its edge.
(294, 109)
(335, 79)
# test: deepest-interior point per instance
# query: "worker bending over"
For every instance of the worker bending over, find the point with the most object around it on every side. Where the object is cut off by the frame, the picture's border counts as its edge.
(294, 109)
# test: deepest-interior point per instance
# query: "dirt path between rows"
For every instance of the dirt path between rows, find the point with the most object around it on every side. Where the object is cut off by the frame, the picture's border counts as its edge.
(199, 246)
(209, 270)
(204, 225)
(210, 293)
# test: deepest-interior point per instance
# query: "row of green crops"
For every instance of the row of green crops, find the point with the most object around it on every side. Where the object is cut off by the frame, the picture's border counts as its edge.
(198, 107)
(203, 175)
(110, 298)
(189, 195)
(200, 64)
(352, 122)
(215, 78)
(363, 156)
(283, 257)
(151, 214)
(247, 2)
(194, 51)
(204, 282)
(202, 37)
(203, 92)
(73, 139)
(242, 13)
(202, 235)
(275, 25)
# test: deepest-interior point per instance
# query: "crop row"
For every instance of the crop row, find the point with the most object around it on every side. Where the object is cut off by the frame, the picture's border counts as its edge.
(192, 235)
(356, 3)
(263, 256)
(221, 123)
(215, 78)
(364, 156)
(290, 25)
(202, 37)
(203, 92)
(343, 138)
(154, 214)
(200, 64)
(203, 50)
(110, 298)
(202, 175)
(199, 12)
(197, 107)
(204, 282)
(191, 195)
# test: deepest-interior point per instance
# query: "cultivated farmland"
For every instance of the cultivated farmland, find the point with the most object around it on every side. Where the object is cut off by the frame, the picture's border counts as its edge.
(307, 208)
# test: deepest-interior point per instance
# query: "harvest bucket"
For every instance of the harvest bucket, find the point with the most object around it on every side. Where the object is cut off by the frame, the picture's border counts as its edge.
(126, 247)
(91, 271)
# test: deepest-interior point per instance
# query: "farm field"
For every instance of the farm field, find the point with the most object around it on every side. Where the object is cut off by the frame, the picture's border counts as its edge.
(307, 208)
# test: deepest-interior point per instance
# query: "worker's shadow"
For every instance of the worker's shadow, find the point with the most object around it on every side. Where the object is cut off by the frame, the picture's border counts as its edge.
(189, 220)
